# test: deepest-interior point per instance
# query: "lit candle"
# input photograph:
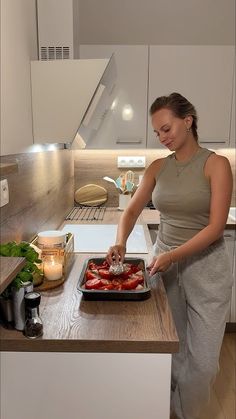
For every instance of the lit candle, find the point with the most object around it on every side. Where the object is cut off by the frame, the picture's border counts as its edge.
(52, 270)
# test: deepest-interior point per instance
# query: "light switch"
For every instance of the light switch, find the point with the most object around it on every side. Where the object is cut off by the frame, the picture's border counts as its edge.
(4, 192)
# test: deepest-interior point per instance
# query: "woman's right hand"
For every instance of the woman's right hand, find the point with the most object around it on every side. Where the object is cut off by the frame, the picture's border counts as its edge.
(116, 254)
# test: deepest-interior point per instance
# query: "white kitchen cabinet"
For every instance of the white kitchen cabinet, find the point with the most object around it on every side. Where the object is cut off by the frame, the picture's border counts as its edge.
(18, 47)
(230, 239)
(124, 125)
(85, 385)
(232, 141)
(204, 75)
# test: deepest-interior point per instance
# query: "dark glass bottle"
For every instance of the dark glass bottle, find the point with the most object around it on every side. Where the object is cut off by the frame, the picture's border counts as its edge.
(33, 322)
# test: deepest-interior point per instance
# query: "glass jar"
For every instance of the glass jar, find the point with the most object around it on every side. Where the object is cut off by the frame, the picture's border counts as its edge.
(52, 244)
(53, 267)
(52, 239)
(33, 321)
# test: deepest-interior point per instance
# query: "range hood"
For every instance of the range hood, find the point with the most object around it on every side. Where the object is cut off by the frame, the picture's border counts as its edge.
(68, 93)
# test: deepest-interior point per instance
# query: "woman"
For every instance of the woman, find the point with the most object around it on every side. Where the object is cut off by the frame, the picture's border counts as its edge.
(192, 189)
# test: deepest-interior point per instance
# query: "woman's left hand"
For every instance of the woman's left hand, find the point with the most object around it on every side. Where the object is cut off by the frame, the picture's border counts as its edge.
(160, 263)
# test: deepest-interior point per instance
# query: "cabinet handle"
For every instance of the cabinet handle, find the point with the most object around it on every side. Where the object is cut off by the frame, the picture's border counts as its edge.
(228, 235)
(119, 141)
(205, 141)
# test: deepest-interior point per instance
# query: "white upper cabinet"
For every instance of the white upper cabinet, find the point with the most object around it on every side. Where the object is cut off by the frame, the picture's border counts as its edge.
(232, 141)
(124, 125)
(18, 47)
(204, 75)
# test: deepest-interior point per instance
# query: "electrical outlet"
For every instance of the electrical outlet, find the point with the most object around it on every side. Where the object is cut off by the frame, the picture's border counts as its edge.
(4, 192)
(131, 162)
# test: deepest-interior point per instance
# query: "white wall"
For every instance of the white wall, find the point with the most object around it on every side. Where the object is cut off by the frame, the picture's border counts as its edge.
(18, 47)
(162, 22)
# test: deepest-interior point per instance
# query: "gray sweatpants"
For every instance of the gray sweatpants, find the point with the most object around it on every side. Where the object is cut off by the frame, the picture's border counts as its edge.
(199, 292)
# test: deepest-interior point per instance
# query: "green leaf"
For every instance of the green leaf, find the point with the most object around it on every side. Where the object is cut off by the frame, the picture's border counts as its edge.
(16, 283)
(16, 252)
(22, 249)
(5, 249)
(24, 276)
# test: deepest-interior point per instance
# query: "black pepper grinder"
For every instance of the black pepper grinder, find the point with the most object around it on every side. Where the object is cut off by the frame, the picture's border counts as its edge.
(33, 322)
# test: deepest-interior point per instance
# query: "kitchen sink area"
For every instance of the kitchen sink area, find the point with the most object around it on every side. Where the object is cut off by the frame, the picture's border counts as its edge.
(97, 238)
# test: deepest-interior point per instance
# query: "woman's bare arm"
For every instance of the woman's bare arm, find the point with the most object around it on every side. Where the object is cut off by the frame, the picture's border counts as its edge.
(128, 219)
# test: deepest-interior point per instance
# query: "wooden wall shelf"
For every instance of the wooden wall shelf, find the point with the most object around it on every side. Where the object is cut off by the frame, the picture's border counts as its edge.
(10, 266)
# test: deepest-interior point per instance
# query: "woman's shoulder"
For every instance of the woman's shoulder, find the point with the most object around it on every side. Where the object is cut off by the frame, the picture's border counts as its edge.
(158, 163)
(217, 162)
(217, 158)
(155, 167)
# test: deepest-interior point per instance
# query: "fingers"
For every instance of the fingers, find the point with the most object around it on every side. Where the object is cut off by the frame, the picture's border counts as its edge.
(110, 255)
(159, 264)
(153, 270)
(115, 254)
(151, 267)
(151, 264)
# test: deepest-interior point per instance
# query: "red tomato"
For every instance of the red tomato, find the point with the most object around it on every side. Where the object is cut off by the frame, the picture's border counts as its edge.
(135, 268)
(118, 287)
(90, 275)
(105, 264)
(139, 277)
(104, 273)
(107, 287)
(130, 284)
(128, 271)
(92, 265)
(105, 281)
(93, 284)
(117, 281)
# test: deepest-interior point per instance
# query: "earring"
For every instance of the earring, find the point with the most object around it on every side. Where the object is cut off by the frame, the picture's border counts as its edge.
(188, 129)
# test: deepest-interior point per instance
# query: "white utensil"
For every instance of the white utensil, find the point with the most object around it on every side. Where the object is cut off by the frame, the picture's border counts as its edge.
(109, 179)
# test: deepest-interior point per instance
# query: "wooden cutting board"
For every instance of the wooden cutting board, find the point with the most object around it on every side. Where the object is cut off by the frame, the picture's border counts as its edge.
(91, 195)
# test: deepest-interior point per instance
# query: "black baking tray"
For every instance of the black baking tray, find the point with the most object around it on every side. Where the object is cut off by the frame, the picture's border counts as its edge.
(127, 295)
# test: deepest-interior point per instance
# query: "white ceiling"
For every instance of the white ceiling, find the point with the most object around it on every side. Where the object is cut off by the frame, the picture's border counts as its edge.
(157, 22)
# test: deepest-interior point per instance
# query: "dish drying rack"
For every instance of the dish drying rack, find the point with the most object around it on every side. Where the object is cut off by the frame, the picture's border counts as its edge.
(83, 213)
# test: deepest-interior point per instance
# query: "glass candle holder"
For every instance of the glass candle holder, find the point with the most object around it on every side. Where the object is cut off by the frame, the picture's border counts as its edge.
(52, 267)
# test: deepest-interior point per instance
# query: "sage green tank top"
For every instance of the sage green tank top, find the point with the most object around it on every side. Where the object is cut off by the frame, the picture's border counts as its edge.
(182, 195)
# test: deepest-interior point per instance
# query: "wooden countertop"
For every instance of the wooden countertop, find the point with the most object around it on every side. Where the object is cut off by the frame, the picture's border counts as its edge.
(10, 266)
(152, 217)
(72, 324)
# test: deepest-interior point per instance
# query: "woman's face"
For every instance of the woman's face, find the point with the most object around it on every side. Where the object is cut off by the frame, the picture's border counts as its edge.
(170, 130)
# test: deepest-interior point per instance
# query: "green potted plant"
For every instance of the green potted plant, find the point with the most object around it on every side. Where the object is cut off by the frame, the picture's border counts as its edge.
(30, 272)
